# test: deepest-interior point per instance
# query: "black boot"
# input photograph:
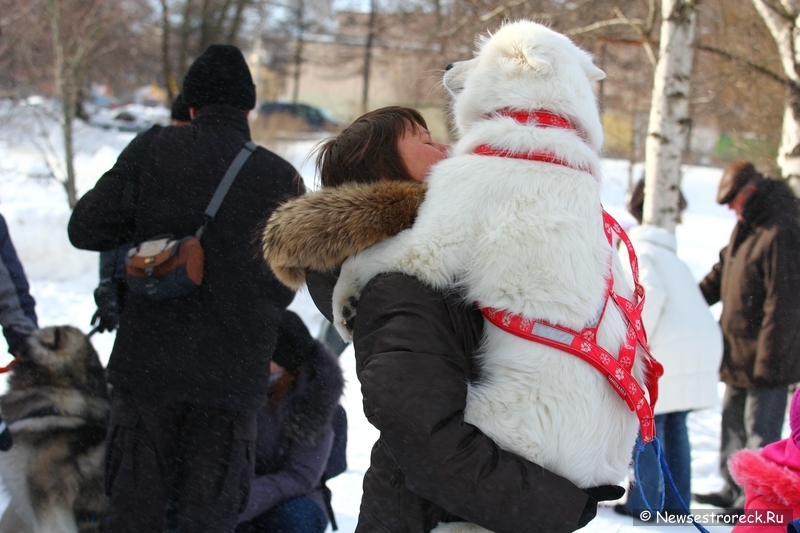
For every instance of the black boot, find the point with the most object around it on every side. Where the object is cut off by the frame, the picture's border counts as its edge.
(724, 498)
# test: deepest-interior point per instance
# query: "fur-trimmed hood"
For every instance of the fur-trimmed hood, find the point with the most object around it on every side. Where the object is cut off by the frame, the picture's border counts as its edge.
(320, 230)
(307, 407)
(762, 477)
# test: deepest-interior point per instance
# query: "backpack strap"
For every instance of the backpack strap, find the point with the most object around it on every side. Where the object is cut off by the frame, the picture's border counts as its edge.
(225, 185)
(327, 496)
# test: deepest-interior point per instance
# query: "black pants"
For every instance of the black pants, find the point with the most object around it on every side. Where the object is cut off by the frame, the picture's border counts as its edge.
(156, 453)
(751, 419)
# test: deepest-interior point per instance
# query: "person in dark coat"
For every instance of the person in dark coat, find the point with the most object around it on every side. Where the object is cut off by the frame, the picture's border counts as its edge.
(295, 436)
(414, 349)
(757, 279)
(190, 373)
(110, 292)
(17, 308)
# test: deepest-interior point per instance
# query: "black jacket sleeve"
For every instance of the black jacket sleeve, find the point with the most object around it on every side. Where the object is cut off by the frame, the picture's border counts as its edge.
(105, 216)
(414, 370)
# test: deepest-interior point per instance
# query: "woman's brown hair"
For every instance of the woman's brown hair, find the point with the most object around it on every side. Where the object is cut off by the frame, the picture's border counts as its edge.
(366, 151)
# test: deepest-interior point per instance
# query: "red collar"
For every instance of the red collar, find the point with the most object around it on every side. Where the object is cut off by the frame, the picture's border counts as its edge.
(543, 118)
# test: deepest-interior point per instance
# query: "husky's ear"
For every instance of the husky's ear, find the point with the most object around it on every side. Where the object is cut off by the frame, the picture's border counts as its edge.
(539, 62)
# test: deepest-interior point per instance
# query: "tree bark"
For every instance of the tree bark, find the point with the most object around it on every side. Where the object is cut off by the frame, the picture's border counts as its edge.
(298, 50)
(669, 115)
(165, 65)
(186, 30)
(373, 8)
(782, 22)
(67, 94)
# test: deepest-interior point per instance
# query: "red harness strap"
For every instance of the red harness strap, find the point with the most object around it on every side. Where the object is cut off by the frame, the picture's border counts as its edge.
(583, 343)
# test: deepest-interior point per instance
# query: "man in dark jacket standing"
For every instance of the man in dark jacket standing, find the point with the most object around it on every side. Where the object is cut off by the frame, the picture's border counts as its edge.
(757, 279)
(190, 373)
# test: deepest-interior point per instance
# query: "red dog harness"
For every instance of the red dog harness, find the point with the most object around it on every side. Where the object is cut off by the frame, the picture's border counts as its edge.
(583, 343)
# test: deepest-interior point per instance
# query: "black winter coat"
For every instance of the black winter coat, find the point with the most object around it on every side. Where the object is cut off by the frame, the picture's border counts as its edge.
(211, 347)
(414, 360)
(757, 279)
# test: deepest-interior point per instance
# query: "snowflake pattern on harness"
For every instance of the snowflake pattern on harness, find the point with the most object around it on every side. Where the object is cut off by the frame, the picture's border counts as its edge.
(625, 360)
(640, 404)
(586, 347)
(491, 311)
(506, 319)
(605, 359)
(632, 388)
(526, 325)
(619, 374)
(588, 334)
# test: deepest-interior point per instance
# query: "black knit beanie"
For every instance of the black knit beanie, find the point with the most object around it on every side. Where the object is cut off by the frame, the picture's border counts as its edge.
(180, 109)
(295, 345)
(220, 76)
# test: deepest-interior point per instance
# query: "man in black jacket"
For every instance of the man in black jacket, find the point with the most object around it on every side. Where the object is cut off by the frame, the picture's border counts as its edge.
(189, 373)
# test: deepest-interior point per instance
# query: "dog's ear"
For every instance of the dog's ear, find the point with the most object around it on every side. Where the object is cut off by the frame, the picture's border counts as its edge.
(594, 73)
(539, 62)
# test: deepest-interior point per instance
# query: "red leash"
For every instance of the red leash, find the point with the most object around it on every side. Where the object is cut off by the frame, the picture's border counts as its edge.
(9, 367)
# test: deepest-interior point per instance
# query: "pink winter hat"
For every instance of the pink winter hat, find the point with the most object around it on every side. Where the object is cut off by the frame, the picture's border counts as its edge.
(794, 418)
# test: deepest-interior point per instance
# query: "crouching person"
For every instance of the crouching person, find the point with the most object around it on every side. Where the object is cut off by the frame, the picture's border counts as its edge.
(295, 436)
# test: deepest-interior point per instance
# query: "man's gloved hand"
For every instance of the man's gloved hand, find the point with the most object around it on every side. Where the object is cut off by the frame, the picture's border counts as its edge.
(5, 436)
(598, 494)
(108, 297)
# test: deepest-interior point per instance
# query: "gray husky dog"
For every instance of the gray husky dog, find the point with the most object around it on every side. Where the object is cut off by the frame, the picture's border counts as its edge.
(57, 408)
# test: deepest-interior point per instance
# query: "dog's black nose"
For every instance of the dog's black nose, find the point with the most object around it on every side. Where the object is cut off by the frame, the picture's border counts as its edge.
(449, 66)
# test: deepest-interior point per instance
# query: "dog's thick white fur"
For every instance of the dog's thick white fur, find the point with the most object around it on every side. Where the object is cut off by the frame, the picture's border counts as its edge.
(527, 237)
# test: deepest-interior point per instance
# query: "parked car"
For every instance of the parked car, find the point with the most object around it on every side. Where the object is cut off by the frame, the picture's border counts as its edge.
(132, 117)
(310, 117)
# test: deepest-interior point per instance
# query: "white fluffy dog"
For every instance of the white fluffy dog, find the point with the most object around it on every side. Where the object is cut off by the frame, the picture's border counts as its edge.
(528, 237)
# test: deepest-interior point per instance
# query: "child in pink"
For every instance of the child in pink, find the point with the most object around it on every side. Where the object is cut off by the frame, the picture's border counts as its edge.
(770, 477)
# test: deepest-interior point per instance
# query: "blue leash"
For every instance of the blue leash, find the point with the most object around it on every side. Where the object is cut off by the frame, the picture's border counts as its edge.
(662, 473)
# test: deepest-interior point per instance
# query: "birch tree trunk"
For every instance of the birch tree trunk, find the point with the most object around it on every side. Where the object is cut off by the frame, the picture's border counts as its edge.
(669, 124)
(782, 20)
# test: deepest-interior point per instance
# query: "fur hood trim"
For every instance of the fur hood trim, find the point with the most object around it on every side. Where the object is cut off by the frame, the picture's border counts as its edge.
(320, 230)
(309, 405)
(766, 479)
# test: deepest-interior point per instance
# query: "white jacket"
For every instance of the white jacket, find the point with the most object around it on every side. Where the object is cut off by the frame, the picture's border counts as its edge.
(681, 331)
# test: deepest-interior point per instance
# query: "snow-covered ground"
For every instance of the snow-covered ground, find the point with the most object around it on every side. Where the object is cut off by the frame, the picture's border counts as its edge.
(63, 278)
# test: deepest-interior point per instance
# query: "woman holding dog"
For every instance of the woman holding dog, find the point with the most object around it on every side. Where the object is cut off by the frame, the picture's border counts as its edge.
(414, 347)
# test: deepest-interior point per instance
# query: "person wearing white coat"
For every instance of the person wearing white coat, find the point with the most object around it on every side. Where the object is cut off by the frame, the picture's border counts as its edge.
(683, 335)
